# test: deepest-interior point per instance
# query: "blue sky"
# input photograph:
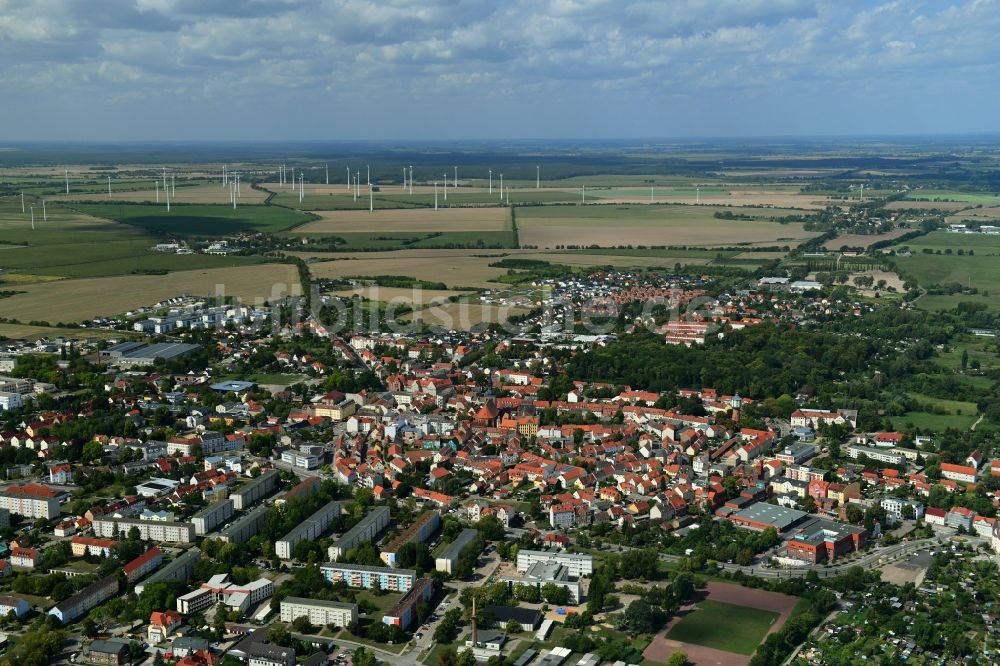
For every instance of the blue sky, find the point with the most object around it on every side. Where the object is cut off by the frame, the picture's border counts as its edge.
(453, 69)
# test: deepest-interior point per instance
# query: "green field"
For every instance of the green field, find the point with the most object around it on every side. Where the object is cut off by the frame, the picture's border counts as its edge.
(724, 627)
(959, 414)
(401, 240)
(71, 244)
(662, 191)
(980, 270)
(943, 240)
(971, 198)
(200, 220)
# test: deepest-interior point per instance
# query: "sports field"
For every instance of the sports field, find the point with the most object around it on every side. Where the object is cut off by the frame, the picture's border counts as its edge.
(724, 627)
(611, 226)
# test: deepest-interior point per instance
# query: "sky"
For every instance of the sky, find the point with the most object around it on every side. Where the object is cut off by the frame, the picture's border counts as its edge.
(174, 70)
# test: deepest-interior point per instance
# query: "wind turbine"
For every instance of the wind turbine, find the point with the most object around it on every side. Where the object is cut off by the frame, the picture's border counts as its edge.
(404, 179)
(157, 184)
(491, 182)
(445, 185)
(371, 199)
(109, 186)
(435, 195)
(223, 175)
(455, 182)
(22, 204)
(411, 179)
(508, 195)
(173, 186)
(501, 185)
(32, 218)
(583, 194)
(368, 172)
(538, 177)
(45, 216)
(650, 194)
(327, 166)
(862, 200)
(357, 184)
(67, 181)
(167, 192)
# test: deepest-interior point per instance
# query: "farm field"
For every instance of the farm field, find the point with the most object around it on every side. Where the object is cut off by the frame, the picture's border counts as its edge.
(26, 332)
(196, 219)
(338, 198)
(77, 300)
(400, 295)
(72, 244)
(943, 240)
(981, 270)
(919, 204)
(455, 270)
(982, 215)
(463, 315)
(862, 240)
(144, 191)
(724, 627)
(417, 220)
(970, 198)
(761, 199)
(609, 225)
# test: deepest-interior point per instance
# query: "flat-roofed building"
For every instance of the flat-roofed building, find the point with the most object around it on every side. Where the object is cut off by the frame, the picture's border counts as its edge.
(376, 520)
(151, 530)
(212, 516)
(448, 559)
(359, 575)
(311, 528)
(178, 569)
(249, 494)
(761, 516)
(577, 565)
(244, 527)
(404, 612)
(76, 606)
(319, 612)
(419, 530)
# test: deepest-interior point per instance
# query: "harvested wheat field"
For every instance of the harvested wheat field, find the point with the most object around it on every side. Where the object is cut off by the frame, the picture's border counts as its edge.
(455, 268)
(408, 219)
(611, 226)
(464, 315)
(210, 193)
(862, 240)
(989, 212)
(799, 202)
(413, 296)
(917, 204)
(585, 259)
(77, 300)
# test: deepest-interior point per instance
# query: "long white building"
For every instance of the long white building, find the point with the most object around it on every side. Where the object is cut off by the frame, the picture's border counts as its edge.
(32, 500)
(319, 612)
(152, 530)
(577, 565)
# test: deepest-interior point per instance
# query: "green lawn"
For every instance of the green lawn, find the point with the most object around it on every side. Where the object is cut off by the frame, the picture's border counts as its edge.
(724, 627)
(959, 414)
(980, 270)
(199, 220)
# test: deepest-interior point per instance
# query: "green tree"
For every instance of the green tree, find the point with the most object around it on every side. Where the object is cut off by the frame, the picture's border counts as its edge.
(677, 659)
